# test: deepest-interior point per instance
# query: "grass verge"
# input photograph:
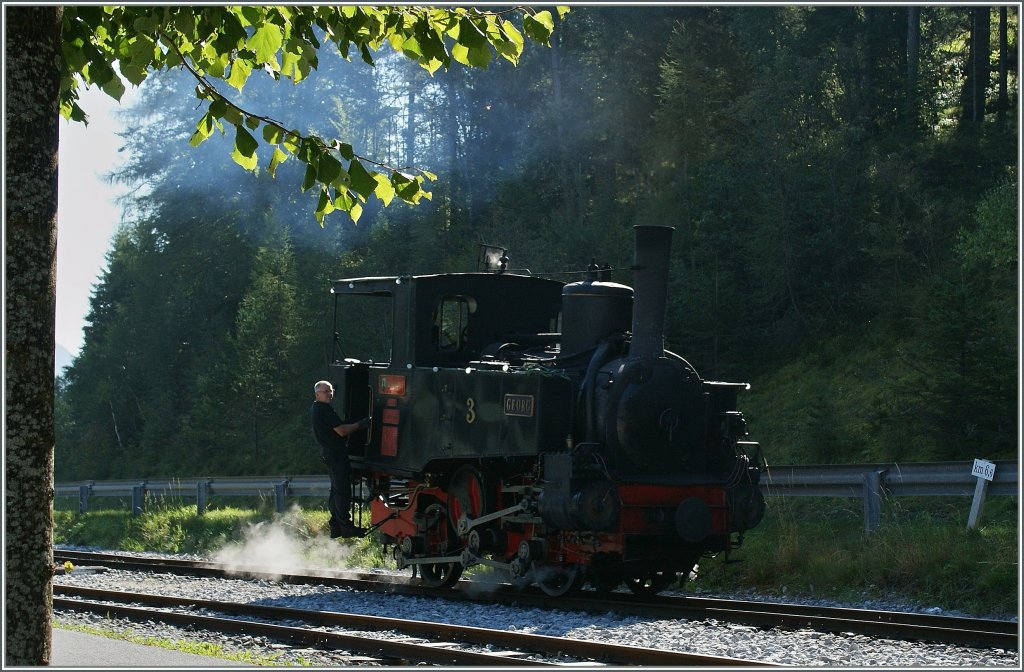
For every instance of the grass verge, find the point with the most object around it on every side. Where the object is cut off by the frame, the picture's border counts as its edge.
(921, 554)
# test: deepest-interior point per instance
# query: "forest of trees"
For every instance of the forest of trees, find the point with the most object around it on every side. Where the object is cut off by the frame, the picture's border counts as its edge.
(843, 183)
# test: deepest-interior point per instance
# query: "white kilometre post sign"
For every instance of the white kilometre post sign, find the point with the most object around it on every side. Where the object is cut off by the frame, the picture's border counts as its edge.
(985, 471)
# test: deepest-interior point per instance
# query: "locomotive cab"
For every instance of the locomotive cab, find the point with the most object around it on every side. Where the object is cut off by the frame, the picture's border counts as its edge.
(426, 392)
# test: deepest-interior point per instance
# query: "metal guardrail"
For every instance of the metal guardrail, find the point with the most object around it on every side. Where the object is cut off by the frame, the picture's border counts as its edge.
(914, 479)
(871, 482)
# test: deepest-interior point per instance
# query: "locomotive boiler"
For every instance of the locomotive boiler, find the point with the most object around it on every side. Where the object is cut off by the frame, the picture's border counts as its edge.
(539, 427)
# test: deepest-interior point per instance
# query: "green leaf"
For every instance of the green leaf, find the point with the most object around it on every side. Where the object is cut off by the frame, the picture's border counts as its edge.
(140, 51)
(219, 108)
(539, 26)
(273, 133)
(113, 87)
(346, 151)
(470, 35)
(345, 201)
(310, 178)
(292, 142)
(324, 206)
(480, 56)
(460, 53)
(365, 53)
(407, 189)
(329, 169)
(362, 182)
(147, 24)
(266, 42)
(411, 48)
(385, 191)
(240, 71)
(244, 142)
(247, 162)
(252, 123)
(297, 60)
(204, 129)
(355, 212)
(277, 159)
(233, 115)
(134, 73)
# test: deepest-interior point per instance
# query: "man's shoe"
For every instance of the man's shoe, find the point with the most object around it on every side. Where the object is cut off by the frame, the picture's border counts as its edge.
(351, 531)
(335, 531)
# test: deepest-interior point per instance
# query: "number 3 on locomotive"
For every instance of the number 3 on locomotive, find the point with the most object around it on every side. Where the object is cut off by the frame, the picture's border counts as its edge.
(470, 412)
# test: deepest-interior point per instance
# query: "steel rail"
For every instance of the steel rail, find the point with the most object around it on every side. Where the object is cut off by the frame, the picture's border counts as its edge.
(515, 643)
(386, 648)
(973, 632)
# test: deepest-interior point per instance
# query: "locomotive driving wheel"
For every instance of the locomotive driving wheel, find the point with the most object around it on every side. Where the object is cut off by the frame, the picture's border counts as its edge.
(441, 574)
(650, 582)
(559, 581)
(469, 495)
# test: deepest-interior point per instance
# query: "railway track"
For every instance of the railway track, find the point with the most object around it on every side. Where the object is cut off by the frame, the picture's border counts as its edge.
(406, 641)
(971, 632)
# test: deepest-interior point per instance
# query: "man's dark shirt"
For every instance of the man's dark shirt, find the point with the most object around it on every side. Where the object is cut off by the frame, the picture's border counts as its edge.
(324, 422)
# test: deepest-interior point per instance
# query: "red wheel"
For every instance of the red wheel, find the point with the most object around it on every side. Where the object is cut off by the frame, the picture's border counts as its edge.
(469, 495)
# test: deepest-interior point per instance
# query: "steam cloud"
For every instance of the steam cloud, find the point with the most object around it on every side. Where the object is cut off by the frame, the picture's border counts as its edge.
(282, 546)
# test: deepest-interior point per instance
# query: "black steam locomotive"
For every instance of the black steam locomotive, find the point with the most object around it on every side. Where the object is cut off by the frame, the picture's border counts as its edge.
(539, 427)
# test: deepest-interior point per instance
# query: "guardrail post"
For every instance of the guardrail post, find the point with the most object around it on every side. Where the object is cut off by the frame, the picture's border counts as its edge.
(985, 471)
(280, 490)
(978, 504)
(137, 494)
(83, 498)
(202, 492)
(872, 500)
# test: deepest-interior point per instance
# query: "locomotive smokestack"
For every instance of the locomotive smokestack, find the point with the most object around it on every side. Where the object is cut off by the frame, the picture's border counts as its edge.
(650, 286)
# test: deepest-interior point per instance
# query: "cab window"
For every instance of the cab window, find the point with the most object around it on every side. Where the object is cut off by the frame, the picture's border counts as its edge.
(450, 331)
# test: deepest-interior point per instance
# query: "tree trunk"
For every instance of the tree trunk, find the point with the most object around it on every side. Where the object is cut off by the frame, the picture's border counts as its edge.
(1004, 102)
(410, 125)
(32, 71)
(976, 82)
(913, 61)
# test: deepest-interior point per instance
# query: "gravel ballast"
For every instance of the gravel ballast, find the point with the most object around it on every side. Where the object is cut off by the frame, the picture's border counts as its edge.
(805, 648)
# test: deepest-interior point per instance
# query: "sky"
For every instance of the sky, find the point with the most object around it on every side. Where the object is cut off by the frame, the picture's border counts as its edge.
(86, 214)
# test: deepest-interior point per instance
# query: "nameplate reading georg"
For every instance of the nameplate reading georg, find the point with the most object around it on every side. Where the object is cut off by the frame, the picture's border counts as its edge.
(984, 469)
(519, 404)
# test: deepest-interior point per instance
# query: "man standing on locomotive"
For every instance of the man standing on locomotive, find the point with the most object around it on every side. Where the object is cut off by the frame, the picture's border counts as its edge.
(330, 433)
